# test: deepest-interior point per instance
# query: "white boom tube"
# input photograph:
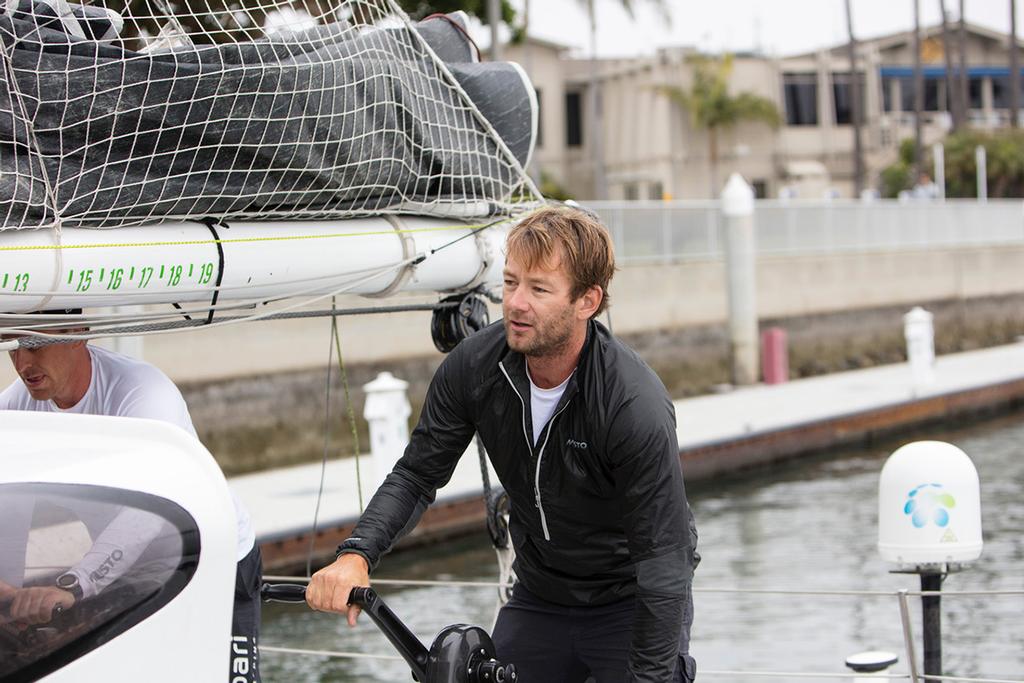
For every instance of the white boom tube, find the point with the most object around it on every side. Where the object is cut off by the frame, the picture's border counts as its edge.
(181, 262)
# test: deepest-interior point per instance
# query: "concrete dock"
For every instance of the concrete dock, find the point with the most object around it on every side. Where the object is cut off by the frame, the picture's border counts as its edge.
(718, 434)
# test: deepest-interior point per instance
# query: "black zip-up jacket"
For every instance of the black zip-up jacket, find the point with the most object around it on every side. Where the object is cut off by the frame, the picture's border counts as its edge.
(598, 506)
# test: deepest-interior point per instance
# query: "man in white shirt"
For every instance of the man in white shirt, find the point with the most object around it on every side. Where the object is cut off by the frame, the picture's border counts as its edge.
(74, 377)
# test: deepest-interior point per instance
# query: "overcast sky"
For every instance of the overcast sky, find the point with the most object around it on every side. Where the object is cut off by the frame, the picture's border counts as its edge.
(781, 27)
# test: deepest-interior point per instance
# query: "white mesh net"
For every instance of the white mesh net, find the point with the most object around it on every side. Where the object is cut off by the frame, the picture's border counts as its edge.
(125, 112)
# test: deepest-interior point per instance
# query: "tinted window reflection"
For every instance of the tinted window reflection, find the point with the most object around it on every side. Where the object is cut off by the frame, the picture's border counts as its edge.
(80, 564)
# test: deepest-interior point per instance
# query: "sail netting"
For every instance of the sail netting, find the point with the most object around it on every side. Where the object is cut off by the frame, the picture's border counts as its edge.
(125, 112)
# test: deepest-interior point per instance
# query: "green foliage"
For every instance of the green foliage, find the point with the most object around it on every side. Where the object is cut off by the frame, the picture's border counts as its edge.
(552, 189)
(1005, 165)
(709, 102)
(907, 151)
(896, 178)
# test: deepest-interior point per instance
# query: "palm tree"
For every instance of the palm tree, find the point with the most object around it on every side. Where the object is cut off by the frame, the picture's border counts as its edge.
(952, 97)
(855, 92)
(713, 108)
(918, 91)
(962, 91)
(1014, 66)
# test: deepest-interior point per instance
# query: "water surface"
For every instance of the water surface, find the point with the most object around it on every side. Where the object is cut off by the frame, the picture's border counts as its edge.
(809, 525)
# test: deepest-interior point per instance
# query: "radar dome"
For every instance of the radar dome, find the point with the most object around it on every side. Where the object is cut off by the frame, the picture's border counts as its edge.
(929, 506)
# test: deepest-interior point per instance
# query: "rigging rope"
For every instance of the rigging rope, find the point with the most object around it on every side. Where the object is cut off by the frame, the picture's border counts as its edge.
(323, 459)
(351, 411)
(334, 345)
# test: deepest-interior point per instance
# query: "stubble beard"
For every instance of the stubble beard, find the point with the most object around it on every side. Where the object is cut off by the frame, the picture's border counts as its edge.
(548, 340)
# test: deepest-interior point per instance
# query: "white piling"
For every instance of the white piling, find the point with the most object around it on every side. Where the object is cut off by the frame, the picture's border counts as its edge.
(981, 163)
(939, 154)
(387, 411)
(740, 252)
(919, 331)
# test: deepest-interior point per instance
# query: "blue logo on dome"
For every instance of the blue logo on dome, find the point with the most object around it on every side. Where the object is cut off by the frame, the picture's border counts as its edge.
(929, 503)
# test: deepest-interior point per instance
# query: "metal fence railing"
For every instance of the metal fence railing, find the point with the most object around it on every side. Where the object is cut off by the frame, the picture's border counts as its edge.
(664, 232)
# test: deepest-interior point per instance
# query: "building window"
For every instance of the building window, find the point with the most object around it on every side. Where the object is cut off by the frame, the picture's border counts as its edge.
(842, 97)
(934, 95)
(974, 89)
(1000, 92)
(630, 192)
(573, 119)
(540, 118)
(906, 93)
(800, 92)
(760, 189)
(657, 190)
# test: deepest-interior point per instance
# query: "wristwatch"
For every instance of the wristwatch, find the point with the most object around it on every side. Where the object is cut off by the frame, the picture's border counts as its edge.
(69, 582)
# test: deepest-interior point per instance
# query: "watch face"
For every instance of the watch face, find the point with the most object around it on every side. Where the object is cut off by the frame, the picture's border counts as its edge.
(67, 581)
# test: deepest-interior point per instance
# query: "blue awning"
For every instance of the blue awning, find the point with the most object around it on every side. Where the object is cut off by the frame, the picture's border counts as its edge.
(940, 71)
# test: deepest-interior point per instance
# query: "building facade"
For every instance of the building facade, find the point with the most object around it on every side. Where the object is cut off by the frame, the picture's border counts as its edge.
(647, 148)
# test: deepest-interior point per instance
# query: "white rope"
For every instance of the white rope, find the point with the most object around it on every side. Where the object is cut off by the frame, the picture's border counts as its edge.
(696, 589)
(960, 679)
(325, 653)
(403, 582)
(805, 674)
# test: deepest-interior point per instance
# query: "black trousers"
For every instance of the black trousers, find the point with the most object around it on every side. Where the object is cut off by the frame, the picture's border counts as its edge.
(245, 621)
(551, 643)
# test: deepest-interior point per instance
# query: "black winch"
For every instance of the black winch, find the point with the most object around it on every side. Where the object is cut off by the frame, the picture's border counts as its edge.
(459, 654)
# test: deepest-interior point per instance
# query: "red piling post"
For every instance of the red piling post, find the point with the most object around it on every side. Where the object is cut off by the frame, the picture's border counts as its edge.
(774, 356)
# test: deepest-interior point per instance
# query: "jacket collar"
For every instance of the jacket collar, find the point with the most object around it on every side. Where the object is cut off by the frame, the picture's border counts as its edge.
(515, 365)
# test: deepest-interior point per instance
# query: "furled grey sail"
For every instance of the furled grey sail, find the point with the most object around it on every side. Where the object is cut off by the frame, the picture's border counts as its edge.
(354, 114)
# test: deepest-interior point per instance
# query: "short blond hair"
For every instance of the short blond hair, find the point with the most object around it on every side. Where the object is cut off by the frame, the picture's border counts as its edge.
(579, 238)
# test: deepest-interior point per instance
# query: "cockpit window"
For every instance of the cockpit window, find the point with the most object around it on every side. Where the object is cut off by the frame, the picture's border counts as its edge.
(80, 564)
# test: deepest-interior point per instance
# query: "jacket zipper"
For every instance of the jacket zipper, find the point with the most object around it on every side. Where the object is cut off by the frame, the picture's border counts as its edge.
(536, 480)
(540, 455)
(526, 436)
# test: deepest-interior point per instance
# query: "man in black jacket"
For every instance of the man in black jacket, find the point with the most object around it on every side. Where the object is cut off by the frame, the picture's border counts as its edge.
(582, 436)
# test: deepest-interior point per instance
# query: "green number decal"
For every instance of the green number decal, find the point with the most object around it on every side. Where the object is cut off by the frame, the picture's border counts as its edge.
(116, 276)
(84, 280)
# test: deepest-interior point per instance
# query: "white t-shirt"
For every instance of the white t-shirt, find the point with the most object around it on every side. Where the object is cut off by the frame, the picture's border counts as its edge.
(542, 404)
(122, 386)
